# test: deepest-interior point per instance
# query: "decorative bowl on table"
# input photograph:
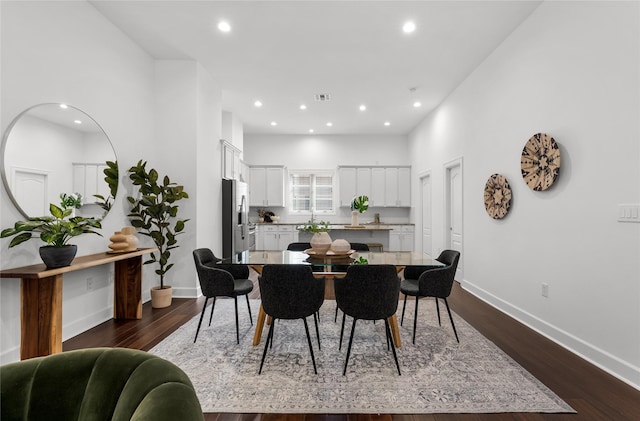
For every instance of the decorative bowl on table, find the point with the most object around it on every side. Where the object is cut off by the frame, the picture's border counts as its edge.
(340, 246)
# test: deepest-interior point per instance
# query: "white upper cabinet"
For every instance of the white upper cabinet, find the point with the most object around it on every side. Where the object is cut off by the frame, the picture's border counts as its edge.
(266, 186)
(398, 186)
(347, 179)
(376, 198)
(385, 186)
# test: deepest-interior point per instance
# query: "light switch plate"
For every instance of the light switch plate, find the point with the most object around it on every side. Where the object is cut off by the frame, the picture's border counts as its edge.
(629, 213)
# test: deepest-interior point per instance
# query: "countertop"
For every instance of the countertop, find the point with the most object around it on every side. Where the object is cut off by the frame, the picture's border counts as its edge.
(346, 226)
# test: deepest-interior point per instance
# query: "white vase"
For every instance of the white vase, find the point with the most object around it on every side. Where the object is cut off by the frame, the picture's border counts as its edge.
(354, 218)
(321, 242)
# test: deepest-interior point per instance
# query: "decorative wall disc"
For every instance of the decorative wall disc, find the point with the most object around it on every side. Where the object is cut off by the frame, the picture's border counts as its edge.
(497, 196)
(540, 162)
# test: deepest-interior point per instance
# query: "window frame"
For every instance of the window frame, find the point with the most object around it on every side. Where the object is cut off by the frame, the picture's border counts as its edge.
(314, 174)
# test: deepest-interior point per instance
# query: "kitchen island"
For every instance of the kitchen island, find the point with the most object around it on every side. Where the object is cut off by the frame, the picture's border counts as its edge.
(393, 237)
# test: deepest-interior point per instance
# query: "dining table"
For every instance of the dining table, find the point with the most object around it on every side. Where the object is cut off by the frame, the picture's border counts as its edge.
(330, 265)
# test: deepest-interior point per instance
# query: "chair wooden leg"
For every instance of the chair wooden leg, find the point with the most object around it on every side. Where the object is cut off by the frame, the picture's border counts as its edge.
(266, 346)
(313, 358)
(438, 311)
(346, 361)
(201, 316)
(415, 320)
(235, 301)
(451, 318)
(249, 308)
(212, 307)
(393, 347)
(315, 320)
(403, 307)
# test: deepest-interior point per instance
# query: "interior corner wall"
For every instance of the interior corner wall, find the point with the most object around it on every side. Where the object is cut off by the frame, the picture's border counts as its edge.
(67, 52)
(570, 70)
(208, 189)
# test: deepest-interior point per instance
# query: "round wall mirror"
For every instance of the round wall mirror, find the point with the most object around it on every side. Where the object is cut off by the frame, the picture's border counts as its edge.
(54, 149)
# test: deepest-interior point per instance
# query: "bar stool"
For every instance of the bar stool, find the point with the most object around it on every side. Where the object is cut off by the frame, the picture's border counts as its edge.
(377, 246)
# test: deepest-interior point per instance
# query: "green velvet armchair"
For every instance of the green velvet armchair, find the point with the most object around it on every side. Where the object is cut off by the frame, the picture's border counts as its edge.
(97, 384)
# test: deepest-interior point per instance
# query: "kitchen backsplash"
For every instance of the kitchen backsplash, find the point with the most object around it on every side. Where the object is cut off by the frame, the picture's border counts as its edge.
(342, 216)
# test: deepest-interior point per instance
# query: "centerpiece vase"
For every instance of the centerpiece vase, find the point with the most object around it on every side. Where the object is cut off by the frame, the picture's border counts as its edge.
(321, 242)
(354, 218)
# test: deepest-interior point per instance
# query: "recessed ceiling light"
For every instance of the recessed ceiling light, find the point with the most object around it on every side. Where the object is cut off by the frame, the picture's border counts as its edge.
(329, 123)
(77, 121)
(311, 130)
(224, 26)
(386, 123)
(363, 107)
(303, 107)
(64, 106)
(273, 123)
(257, 104)
(408, 27)
(417, 104)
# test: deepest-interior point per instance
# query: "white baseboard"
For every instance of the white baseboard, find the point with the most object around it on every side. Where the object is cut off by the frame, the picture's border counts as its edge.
(602, 359)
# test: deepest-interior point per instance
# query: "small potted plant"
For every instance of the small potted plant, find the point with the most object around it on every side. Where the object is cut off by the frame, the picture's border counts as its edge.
(359, 205)
(55, 230)
(155, 213)
(320, 241)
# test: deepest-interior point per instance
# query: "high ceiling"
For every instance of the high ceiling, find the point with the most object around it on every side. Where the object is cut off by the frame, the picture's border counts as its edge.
(283, 53)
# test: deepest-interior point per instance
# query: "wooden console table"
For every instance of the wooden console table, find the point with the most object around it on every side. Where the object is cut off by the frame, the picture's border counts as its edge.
(41, 297)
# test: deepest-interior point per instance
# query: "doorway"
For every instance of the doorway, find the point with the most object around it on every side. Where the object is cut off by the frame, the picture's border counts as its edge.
(454, 238)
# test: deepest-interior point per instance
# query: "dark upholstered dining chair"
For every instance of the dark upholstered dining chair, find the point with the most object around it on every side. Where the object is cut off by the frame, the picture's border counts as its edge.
(343, 268)
(368, 292)
(290, 292)
(298, 246)
(221, 280)
(430, 281)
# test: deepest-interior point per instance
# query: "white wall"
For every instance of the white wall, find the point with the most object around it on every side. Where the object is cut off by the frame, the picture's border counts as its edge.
(328, 152)
(68, 52)
(570, 70)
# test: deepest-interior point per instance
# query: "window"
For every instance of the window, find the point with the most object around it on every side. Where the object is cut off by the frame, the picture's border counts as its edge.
(311, 192)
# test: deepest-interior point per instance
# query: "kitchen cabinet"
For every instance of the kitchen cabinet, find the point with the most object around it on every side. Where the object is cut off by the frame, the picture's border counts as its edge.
(231, 166)
(376, 197)
(275, 237)
(402, 238)
(398, 186)
(385, 186)
(88, 180)
(347, 182)
(266, 186)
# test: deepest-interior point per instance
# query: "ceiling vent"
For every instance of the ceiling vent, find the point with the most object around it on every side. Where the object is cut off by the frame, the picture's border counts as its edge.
(322, 97)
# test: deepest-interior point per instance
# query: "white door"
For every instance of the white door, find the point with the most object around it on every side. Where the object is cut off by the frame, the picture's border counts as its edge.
(454, 211)
(426, 215)
(31, 192)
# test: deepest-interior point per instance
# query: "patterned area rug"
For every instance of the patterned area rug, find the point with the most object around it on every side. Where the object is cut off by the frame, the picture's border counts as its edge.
(438, 374)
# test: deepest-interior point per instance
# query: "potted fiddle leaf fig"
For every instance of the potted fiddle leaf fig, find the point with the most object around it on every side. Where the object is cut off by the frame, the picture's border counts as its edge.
(55, 230)
(111, 178)
(154, 213)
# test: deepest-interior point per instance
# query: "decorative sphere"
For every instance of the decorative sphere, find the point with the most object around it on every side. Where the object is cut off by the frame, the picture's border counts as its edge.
(340, 245)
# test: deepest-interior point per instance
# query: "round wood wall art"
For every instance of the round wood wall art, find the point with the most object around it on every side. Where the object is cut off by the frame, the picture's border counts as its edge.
(497, 196)
(540, 162)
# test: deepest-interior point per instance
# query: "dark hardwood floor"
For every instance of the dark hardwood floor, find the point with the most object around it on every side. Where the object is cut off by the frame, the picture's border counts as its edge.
(594, 394)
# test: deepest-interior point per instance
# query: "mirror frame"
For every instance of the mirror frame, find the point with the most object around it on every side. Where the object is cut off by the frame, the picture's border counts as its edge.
(5, 140)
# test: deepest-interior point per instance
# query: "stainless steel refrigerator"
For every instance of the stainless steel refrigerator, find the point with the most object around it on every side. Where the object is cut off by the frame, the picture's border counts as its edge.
(238, 234)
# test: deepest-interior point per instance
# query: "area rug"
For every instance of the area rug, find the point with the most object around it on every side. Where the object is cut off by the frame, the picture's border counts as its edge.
(438, 374)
